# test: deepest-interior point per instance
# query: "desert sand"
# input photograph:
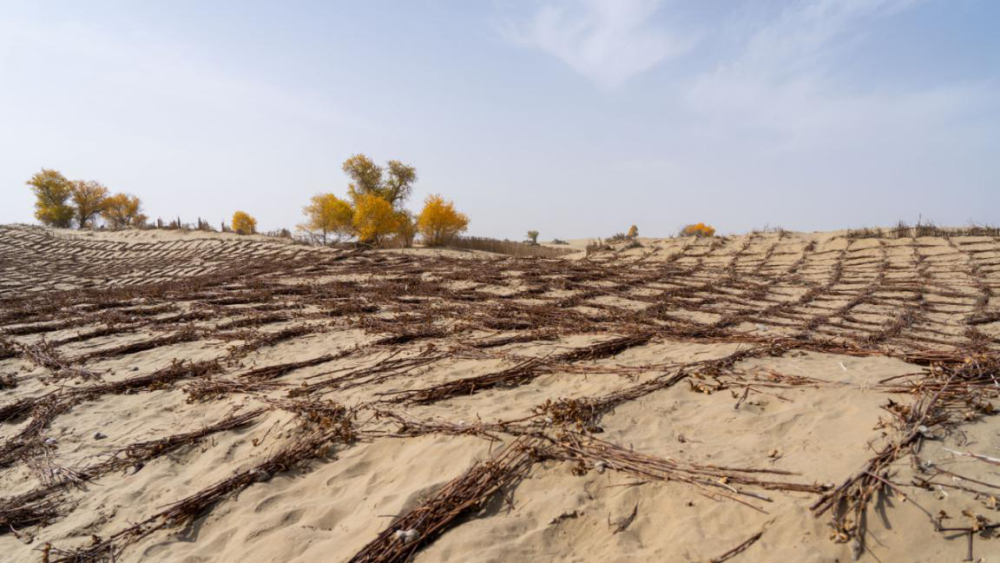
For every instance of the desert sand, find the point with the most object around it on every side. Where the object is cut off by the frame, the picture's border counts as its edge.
(190, 397)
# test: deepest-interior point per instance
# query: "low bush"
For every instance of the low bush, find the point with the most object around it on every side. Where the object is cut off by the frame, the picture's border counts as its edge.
(697, 230)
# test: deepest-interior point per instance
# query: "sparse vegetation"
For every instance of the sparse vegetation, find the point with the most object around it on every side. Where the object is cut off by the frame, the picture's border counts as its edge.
(865, 232)
(597, 246)
(768, 229)
(923, 229)
(533, 237)
(508, 247)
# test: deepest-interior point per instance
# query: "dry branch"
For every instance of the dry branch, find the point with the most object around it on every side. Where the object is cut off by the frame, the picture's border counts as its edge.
(464, 495)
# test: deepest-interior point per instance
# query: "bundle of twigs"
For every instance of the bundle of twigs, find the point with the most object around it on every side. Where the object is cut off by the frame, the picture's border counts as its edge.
(138, 453)
(405, 335)
(461, 496)
(45, 355)
(519, 374)
(724, 481)
(217, 388)
(43, 412)
(604, 349)
(852, 497)
(253, 321)
(314, 442)
(187, 334)
(41, 505)
(30, 509)
(267, 339)
(537, 336)
(412, 426)
(382, 370)
(19, 408)
(321, 412)
(41, 328)
(159, 379)
(276, 371)
(109, 330)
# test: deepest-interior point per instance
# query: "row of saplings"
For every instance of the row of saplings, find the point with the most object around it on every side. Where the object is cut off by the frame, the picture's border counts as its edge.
(372, 213)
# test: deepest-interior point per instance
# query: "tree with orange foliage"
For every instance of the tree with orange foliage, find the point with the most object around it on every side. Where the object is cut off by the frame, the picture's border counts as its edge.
(328, 214)
(52, 192)
(439, 222)
(633, 232)
(244, 224)
(698, 230)
(89, 199)
(374, 218)
(123, 211)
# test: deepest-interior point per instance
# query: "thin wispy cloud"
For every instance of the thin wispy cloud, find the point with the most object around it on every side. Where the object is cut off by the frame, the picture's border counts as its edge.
(788, 78)
(804, 32)
(607, 41)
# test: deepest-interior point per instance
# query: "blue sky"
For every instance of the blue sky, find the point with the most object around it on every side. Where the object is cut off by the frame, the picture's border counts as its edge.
(577, 118)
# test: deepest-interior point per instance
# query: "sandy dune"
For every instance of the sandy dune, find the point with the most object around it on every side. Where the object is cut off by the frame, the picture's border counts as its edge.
(194, 397)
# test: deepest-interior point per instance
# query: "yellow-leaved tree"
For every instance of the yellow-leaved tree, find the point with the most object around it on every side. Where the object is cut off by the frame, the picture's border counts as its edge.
(374, 218)
(326, 215)
(439, 222)
(88, 198)
(122, 211)
(633, 232)
(52, 192)
(406, 228)
(244, 224)
(393, 184)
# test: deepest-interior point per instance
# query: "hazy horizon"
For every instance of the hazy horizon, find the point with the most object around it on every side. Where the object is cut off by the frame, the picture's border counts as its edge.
(576, 118)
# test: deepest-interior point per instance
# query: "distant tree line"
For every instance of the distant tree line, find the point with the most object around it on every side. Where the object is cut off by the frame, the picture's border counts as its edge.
(372, 213)
(64, 203)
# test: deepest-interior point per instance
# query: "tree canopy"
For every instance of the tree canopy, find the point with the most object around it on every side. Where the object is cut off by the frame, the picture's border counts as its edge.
(439, 223)
(327, 214)
(244, 224)
(122, 211)
(88, 198)
(374, 219)
(393, 184)
(52, 192)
